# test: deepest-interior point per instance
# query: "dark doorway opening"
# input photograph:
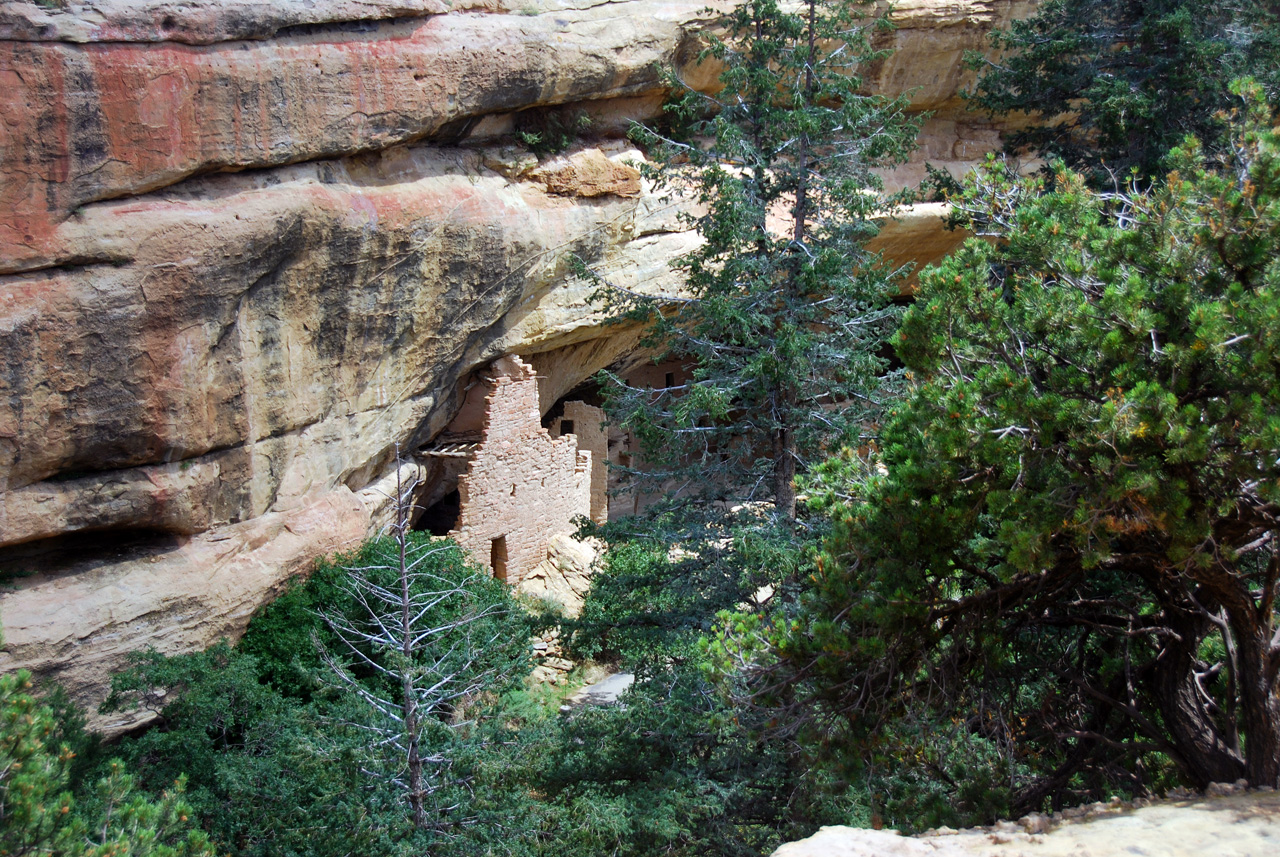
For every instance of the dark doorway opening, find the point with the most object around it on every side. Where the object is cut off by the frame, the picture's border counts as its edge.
(566, 427)
(442, 516)
(498, 557)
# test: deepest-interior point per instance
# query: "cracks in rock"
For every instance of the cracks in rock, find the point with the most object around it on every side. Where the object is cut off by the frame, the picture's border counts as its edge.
(68, 265)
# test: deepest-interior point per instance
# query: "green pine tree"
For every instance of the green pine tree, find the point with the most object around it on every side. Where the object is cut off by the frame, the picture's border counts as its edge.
(1113, 85)
(38, 815)
(1071, 552)
(783, 308)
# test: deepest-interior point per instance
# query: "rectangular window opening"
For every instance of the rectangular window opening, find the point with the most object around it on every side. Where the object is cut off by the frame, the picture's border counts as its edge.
(498, 557)
(566, 427)
(671, 379)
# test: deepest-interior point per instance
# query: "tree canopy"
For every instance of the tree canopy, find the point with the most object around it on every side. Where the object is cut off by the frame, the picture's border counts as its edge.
(1114, 85)
(783, 309)
(39, 816)
(1069, 544)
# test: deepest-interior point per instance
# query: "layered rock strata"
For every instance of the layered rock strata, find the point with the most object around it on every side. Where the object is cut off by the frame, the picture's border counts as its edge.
(250, 249)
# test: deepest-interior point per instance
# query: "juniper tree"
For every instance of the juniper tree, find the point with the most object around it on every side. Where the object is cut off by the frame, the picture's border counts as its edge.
(783, 309)
(1073, 548)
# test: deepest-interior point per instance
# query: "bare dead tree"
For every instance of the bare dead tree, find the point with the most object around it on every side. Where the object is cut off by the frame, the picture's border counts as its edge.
(414, 637)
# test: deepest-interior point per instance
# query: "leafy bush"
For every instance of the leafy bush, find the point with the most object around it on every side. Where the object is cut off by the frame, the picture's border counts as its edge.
(551, 131)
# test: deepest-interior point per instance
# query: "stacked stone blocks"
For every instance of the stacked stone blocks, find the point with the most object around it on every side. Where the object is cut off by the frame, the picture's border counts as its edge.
(522, 486)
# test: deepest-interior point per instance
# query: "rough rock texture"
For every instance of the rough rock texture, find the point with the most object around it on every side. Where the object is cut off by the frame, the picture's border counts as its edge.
(522, 485)
(564, 577)
(182, 593)
(105, 119)
(248, 249)
(1244, 824)
(589, 173)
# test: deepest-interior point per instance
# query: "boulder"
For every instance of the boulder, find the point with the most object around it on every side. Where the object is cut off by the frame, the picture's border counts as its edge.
(1241, 823)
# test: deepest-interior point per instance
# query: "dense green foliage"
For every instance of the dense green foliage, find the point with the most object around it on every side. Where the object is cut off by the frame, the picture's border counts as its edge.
(651, 605)
(277, 746)
(1068, 560)
(38, 815)
(1113, 85)
(780, 320)
(691, 772)
(782, 309)
(279, 762)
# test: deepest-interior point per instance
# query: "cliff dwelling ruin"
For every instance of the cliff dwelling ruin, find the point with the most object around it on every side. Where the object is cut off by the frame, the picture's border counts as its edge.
(518, 483)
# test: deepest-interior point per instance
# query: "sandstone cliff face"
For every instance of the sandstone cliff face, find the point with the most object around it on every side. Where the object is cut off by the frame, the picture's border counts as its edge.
(248, 249)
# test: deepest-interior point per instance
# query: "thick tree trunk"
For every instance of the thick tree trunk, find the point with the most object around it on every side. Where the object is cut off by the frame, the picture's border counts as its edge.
(784, 440)
(1204, 756)
(784, 472)
(1248, 643)
(1259, 709)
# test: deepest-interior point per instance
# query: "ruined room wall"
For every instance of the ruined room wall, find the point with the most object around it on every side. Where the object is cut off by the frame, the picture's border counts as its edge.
(589, 429)
(522, 486)
(622, 452)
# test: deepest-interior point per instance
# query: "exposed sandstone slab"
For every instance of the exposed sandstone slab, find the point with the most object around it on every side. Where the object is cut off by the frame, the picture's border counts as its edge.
(588, 174)
(929, 42)
(202, 22)
(1240, 825)
(294, 328)
(114, 117)
(180, 595)
(564, 577)
(90, 122)
(917, 237)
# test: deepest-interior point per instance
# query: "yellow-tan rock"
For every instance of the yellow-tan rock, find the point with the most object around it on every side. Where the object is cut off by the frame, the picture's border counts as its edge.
(1237, 823)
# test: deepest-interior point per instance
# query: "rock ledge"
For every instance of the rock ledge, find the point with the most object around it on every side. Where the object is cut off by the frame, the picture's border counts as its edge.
(1226, 821)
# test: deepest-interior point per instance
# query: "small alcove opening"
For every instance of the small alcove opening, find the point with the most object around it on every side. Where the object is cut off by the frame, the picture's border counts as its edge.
(442, 516)
(498, 557)
(566, 427)
(83, 550)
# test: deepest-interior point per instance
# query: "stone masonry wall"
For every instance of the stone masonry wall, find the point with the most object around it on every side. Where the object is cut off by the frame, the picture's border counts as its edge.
(589, 429)
(523, 486)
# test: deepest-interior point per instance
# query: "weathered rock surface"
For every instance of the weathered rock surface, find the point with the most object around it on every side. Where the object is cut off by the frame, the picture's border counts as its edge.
(179, 594)
(87, 122)
(1244, 824)
(564, 577)
(249, 248)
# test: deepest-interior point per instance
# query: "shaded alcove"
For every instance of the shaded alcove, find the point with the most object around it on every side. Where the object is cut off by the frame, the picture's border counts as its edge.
(442, 516)
(588, 392)
(82, 550)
